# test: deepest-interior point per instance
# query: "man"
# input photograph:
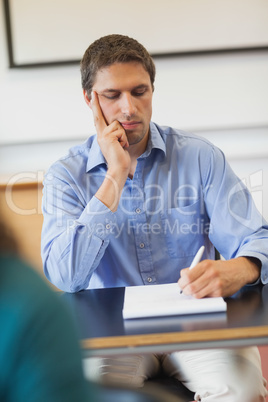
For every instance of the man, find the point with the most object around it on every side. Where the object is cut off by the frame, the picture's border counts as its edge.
(132, 206)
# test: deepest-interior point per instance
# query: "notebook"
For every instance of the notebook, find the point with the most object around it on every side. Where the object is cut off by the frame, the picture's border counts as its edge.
(166, 300)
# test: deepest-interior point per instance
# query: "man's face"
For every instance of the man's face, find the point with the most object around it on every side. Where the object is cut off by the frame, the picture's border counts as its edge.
(125, 94)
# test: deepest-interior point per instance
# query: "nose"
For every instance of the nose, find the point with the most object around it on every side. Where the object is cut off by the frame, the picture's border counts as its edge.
(128, 107)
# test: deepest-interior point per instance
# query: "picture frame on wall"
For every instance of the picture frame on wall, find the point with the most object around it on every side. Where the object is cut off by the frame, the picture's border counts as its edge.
(56, 32)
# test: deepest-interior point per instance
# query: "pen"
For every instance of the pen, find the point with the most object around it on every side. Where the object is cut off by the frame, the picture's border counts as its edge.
(197, 258)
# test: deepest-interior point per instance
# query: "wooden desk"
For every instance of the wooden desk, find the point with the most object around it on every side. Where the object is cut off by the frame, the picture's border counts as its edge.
(98, 316)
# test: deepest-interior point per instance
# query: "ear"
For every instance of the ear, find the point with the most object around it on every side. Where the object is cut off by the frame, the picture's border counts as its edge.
(87, 99)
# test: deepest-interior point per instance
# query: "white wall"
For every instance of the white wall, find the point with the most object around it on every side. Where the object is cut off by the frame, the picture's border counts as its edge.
(202, 92)
(174, 25)
(223, 97)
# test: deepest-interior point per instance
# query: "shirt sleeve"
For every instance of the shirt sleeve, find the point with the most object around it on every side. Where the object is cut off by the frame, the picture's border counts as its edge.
(237, 229)
(74, 235)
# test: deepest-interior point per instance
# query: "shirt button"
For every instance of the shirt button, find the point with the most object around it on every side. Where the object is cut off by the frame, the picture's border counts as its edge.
(149, 279)
(142, 245)
(138, 210)
(108, 226)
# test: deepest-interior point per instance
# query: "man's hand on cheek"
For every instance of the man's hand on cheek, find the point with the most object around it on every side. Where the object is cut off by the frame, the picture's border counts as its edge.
(112, 138)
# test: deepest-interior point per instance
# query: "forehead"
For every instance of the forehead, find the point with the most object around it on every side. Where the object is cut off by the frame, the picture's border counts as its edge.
(121, 75)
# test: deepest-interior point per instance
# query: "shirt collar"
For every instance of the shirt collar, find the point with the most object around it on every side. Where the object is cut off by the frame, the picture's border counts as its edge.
(96, 158)
(155, 140)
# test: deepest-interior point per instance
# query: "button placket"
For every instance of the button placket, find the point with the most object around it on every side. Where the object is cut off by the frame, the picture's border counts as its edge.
(141, 228)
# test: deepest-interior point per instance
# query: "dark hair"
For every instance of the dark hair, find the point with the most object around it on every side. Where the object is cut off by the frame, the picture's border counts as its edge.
(8, 243)
(112, 49)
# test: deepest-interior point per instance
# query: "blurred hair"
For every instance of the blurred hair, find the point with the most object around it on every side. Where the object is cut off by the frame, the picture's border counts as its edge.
(8, 244)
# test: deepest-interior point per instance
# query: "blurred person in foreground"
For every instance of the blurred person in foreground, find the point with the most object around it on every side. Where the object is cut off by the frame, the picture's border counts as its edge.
(40, 359)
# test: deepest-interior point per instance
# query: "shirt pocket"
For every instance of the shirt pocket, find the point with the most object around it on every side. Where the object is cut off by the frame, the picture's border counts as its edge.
(184, 230)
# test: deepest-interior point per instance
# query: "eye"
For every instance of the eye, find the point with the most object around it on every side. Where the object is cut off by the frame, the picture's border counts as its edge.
(116, 96)
(139, 92)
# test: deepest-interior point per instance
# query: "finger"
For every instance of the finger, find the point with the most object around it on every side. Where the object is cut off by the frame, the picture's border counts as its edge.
(99, 120)
(191, 279)
(122, 137)
(202, 281)
(116, 131)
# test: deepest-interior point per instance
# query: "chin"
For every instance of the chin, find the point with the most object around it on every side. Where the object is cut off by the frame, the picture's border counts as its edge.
(135, 138)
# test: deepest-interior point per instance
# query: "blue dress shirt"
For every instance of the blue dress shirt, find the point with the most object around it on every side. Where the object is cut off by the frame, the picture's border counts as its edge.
(183, 194)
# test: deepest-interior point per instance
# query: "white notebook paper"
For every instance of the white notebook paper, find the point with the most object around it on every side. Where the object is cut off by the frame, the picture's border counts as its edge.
(163, 300)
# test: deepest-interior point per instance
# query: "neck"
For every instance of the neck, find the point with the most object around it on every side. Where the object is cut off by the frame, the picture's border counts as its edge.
(135, 151)
(132, 168)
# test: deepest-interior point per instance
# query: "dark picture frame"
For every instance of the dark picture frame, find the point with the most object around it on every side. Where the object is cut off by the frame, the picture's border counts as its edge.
(13, 63)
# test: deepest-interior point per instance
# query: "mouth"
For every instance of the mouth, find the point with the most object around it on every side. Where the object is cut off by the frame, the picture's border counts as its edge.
(130, 125)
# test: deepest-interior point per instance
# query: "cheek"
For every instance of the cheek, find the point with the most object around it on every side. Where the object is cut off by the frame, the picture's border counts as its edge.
(107, 111)
(148, 107)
